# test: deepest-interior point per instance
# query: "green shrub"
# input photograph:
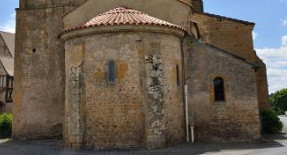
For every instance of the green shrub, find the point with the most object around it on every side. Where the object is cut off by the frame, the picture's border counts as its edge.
(5, 125)
(270, 121)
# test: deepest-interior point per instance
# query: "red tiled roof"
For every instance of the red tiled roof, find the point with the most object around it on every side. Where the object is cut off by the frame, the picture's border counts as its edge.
(124, 16)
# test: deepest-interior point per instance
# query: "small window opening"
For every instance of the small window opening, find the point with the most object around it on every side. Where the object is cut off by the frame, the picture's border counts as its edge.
(177, 76)
(112, 71)
(219, 89)
(194, 29)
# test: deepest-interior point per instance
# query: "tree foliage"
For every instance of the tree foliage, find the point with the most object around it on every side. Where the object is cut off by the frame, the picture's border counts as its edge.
(5, 125)
(278, 101)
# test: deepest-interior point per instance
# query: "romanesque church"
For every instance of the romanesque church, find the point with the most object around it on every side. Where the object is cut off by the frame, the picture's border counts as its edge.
(135, 73)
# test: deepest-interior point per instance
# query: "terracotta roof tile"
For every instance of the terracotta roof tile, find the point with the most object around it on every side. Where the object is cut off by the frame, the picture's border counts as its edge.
(124, 16)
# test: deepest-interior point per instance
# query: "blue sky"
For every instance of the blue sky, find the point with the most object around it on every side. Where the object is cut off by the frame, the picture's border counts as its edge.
(270, 33)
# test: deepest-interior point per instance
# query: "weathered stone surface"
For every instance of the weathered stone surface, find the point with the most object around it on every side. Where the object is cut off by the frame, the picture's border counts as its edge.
(142, 109)
(172, 11)
(197, 5)
(262, 85)
(235, 37)
(237, 118)
(39, 70)
(64, 83)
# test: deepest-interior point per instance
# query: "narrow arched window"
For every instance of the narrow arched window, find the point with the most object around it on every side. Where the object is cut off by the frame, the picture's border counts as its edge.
(219, 89)
(112, 71)
(177, 76)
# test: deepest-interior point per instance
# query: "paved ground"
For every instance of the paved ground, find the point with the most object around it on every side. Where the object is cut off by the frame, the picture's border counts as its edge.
(271, 145)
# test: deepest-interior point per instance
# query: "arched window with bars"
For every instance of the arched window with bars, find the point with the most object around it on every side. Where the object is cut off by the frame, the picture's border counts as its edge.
(219, 89)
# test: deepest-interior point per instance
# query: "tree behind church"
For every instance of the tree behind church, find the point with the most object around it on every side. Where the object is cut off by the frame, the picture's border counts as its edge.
(278, 101)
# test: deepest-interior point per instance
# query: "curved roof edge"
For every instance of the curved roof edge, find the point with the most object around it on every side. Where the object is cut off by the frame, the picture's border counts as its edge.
(123, 16)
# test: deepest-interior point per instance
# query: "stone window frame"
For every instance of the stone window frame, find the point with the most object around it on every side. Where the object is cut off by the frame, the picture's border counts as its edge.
(194, 29)
(219, 91)
(111, 79)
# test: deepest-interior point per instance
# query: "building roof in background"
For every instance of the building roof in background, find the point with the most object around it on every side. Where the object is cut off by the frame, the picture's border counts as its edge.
(8, 64)
(8, 61)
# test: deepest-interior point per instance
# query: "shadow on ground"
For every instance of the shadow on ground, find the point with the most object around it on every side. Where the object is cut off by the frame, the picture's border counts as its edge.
(56, 147)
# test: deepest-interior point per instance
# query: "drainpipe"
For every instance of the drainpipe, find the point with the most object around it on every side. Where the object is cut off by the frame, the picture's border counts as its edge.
(192, 133)
(185, 90)
(186, 112)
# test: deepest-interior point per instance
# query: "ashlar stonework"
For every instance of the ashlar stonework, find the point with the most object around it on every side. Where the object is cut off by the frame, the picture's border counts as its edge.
(110, 73)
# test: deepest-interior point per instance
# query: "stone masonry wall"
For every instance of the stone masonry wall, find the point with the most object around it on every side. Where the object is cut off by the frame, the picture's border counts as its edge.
(39, 71)
(237, 118)
(236, 38)
(48, 3)
(114, 112)
(262, 85)
(74, 124)
(226, 34)
(164, 56)
(169, 10)
(143, 108)
(197, 5)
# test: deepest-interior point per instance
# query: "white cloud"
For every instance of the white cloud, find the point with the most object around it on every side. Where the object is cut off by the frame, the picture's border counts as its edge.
(254, 35)
(9, 26)
(276, 61)
(284, 40)
(284, 22)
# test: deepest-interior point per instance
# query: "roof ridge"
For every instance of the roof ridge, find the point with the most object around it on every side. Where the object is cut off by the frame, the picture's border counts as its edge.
(231, 54)
(224, 17)
(7, 32)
